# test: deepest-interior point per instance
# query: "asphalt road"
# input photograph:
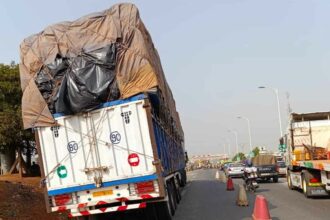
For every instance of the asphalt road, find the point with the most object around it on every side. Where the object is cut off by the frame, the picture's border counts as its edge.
(205, 198)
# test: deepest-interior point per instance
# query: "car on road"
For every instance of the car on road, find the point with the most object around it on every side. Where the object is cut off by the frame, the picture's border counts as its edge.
(235, 170)
(224, 166)
(281, 168)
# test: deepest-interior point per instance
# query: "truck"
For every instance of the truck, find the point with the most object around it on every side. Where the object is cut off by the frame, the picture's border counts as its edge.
(103, 161)
(266, 167)
(108, 135)
(308, 143)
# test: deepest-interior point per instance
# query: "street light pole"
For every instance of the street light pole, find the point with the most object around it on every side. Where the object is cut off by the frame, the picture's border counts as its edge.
(224, 148)
(278, 106)
(249, 129)
(229, 148)
(236, 138)
(227, 143)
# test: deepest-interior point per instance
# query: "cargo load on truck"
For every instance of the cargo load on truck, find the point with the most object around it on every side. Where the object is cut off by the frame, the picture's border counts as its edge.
(264, 160)
(73, 67)
(108, 135)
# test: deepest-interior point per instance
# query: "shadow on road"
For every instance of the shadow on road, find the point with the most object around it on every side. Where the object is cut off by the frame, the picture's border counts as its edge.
(129, 215)
(262, 190)
(209, 200)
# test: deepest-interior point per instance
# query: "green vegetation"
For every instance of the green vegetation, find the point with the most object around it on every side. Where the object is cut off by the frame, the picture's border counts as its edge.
(239, 156)
(256, 151)
(12, 136)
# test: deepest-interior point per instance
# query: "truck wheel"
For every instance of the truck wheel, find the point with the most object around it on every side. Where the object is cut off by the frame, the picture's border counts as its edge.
(177, 190)
(288, 178)
(171, 201)
(275, 179)
(183, 181)
(159, 211)
(305, 187)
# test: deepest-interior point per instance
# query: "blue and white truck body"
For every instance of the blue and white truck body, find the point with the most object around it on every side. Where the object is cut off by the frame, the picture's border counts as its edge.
(117, 157)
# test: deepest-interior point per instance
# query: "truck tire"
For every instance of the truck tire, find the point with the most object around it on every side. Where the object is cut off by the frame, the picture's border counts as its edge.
(183, 180)
(288, 178)
(159, 211)
(177, 190)
(275, 179)
(171, 201)
(305, 187)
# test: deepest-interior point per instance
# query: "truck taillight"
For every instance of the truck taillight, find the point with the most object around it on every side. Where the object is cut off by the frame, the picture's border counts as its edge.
(314, 180)
(145, 187)
(63, 199)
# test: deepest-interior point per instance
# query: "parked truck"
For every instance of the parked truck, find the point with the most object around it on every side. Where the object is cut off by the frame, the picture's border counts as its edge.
(108, 135)
(308, 142)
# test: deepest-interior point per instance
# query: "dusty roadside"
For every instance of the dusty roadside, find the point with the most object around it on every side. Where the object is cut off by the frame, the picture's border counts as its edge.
(23, 199)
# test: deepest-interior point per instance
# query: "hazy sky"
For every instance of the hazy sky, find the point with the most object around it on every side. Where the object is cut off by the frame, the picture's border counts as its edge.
(215, 54)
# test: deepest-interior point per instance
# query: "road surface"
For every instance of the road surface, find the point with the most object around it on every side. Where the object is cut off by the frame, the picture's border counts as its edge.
(205, 198)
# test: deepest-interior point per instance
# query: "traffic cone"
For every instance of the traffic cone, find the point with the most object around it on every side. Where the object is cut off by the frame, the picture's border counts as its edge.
(261, 211)
(217, 175)
(230, 185)
(242, 197)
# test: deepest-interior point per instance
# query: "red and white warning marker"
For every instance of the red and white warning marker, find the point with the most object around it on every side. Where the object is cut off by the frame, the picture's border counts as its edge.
(133, 160)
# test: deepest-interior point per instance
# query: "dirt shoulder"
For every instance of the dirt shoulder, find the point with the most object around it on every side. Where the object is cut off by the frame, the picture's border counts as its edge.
(22, 198)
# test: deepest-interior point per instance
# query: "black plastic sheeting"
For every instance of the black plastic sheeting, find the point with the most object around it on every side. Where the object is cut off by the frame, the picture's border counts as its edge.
(79, 84)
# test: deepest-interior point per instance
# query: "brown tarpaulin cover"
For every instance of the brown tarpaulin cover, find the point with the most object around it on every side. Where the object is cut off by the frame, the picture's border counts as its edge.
(263, 160)
(138, 66)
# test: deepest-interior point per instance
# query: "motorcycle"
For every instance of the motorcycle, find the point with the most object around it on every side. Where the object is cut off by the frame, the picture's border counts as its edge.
(250, 179)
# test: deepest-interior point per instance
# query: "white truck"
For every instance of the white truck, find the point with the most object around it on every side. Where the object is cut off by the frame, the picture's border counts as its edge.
(308, 142)
(114, 158)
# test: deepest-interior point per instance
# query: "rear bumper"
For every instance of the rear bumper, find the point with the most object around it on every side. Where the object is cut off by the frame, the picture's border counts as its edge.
(108, 199)
(282, 174)
(108, 209)
(105, 202)
(235, 174)
(318, 191)
(267, 175)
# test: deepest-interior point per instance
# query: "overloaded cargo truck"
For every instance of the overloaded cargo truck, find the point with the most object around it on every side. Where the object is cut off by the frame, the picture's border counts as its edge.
(308, 142)
(108, 135)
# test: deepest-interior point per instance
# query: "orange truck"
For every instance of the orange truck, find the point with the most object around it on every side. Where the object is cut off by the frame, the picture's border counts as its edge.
(308, 141)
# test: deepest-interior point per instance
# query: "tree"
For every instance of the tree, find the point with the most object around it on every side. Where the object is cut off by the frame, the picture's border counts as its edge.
(12, 134)
(256, 151)
(239, 156)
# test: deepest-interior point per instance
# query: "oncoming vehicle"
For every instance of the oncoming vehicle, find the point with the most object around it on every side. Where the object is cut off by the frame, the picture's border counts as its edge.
(235, 170)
